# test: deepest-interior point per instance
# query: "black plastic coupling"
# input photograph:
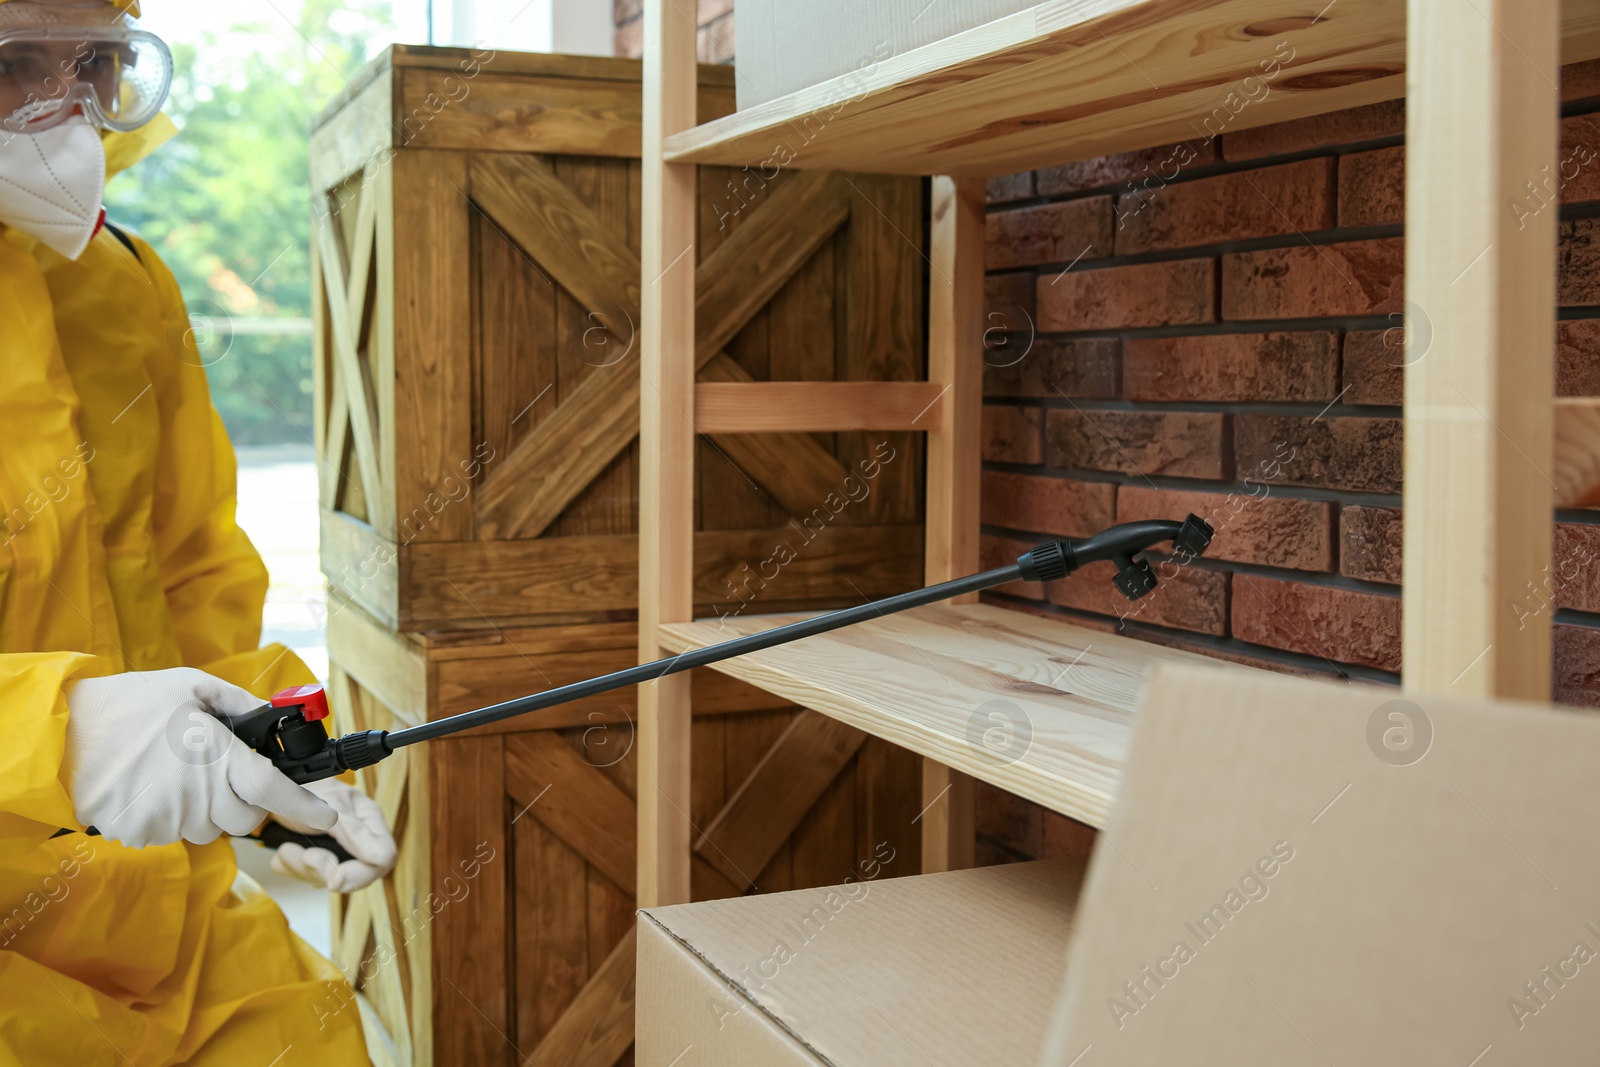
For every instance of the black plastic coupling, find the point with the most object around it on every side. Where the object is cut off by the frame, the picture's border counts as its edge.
(1194, 537)
(1047, 562)
(355, 751)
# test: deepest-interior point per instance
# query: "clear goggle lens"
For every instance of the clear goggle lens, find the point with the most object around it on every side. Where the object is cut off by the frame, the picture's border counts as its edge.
(116, 76)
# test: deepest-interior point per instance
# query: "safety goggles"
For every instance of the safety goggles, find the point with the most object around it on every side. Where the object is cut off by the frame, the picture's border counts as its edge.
(54, 65)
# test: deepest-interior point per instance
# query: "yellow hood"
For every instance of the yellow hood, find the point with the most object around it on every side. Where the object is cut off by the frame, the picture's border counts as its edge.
(123, 150)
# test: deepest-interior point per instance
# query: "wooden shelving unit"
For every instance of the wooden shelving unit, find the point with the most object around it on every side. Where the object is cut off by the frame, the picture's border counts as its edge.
(1489, 453)
(1081, 78)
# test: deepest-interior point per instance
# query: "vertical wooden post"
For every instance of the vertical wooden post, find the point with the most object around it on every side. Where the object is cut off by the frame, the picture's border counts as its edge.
(955, 340)
(1481, 120)
(667, 443)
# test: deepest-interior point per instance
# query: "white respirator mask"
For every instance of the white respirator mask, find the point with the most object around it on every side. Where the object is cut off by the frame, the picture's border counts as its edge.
(53, 184)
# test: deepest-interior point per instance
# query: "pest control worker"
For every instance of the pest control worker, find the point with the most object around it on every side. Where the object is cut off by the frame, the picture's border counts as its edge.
(130, 612)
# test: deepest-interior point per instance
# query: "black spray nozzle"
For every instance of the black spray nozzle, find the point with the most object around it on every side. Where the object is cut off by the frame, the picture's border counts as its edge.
(1119, 544)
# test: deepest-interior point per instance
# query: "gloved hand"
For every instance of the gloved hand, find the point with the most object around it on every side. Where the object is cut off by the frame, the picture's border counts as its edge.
(148, 762)
(362, 831)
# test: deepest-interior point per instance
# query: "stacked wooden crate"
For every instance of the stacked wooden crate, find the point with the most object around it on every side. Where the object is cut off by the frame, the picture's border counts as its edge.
(478, 397)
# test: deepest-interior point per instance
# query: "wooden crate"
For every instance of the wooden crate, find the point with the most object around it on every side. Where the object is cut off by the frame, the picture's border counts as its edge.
(506, 930)
(477, 415)
(478, 371)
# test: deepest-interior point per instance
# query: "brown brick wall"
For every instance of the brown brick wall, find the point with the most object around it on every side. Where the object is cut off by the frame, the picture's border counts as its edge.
(1223, 342)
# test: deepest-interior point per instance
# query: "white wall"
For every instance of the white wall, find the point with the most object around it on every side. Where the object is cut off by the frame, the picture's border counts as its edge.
(573, 26)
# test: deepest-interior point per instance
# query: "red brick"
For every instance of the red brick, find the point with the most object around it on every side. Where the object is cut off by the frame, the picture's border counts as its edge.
(1577, 170)
(1578, 358)
(1372, 184)
(1373, 369)
(1271, 531)
(1008, 303)
(1002, 552)
(1149, 294)
(1179, 443)
(1372, 187)
(1011, 187)
(1352, 278)
(1576, 669)
(1223, 368)
(1340, 625)
(1575, 566)
(1012, 821)
(1580, 80)
(1043, 505)
(1387, 119)
(1370, 540)
(1338, 453)
(1012, 434)
(1230, 207)
(1077, 368)
(1148, 165)
(1048, 233)
(1187, 598)
(1064, 837)
(1578, 263)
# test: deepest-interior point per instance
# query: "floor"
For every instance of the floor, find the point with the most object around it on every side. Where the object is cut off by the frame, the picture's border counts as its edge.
(278, 509)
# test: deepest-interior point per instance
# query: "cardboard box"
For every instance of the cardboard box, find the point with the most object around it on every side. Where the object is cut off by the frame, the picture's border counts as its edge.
(783, 46)
(956, 968)
(1300, 873)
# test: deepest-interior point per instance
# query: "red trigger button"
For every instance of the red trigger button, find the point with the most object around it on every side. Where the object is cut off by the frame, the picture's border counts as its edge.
(311, 699)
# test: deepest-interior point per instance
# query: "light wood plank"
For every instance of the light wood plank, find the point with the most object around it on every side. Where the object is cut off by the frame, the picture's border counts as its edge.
(792, 467)
(1480, 283)
(359, 386)
(773, 407)
(949, 831)
(1076, 79)
(667, 443)
(768, 805)
(955, 337)
(1577, 453)
(1041, 708)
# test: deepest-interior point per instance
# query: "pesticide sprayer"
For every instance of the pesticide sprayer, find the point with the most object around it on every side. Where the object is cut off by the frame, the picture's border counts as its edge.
(290, 730)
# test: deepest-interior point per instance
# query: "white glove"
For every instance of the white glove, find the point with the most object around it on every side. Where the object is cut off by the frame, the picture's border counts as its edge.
(362, 831)
(148, 762)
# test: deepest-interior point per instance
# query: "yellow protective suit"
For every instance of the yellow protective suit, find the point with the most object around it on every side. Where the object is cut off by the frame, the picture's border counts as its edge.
(118, 552)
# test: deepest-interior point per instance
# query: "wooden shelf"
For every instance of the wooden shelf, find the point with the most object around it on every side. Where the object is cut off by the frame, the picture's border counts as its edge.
(1076, 79)
(922, 679)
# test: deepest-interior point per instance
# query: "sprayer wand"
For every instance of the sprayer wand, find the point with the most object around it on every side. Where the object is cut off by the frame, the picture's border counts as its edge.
(307, 762)
(291, 732)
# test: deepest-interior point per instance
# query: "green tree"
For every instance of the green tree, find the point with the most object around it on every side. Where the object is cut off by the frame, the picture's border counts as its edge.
(227, 203)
